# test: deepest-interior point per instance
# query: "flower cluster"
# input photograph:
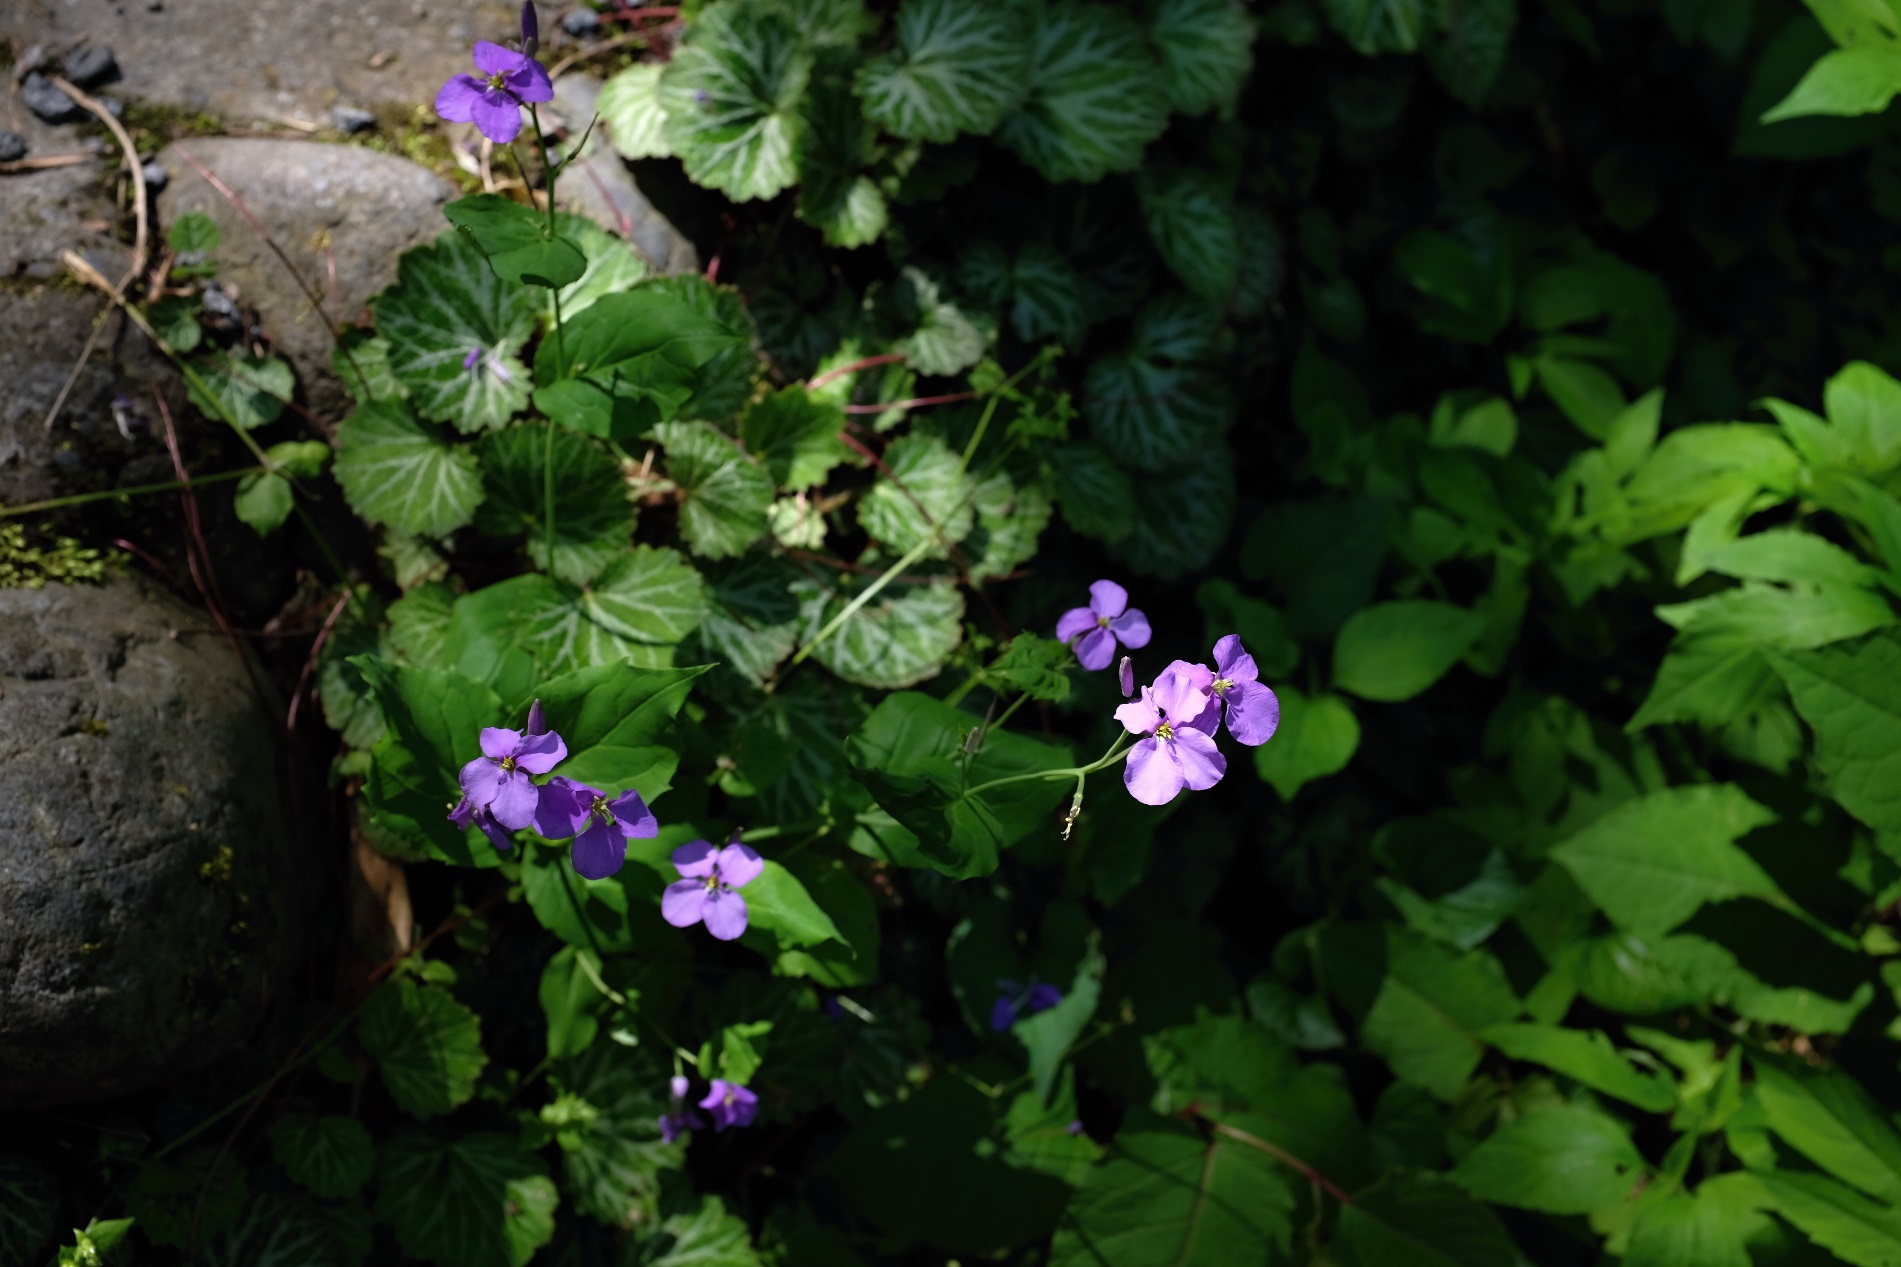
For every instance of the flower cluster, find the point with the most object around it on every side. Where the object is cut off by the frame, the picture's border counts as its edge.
(1178, 715)
(729, 1104)
(500, 795)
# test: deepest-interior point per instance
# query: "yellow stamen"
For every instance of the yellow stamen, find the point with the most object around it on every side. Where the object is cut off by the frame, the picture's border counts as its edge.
(1164, 731)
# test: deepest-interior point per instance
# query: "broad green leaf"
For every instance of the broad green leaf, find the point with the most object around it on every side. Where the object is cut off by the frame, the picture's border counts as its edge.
(427, 1046)
(245, 391)
(592, 517)
(1846, 81)
(1653, 861)
(926, 494)
(1161, 403)
(1040, 1138)
(752, 617)
(612, 264)
(518, 241)
(332, 1156)
(795, 435)
(1827, 1117)
(639, 608)
(264, 500)
(1010, 519)
(1381, 26)
(850, 959)
(1864, 404)
(94, 1245)
(361, 360)
(708, 1236)
(908, 756)
(1567, 1159)
(1166, 1196)
(280, 1228)
(1422, 1007)
(1393, 651)
(1206, 48)
(1191, 220)
(472, 1200)
(1468, 56)
(901, 637)
(1049, 299)
(1836, 1217)
(780, 907)
(630, 108)
(724, 492)
(447, 303)
(1588, 1057)
(1096, 99)
(613, 1157)
(946, 340)
(1710, 1227)
(399, 471)
(1094, 493)
(179, 1199)
(435, 719)
(194, 233)
(726, 364)
(730, 96)
(1420, 1221)
(1316, 737)
(29, 1208)
(1850, 695)
(1049, 1034)
(958, 66)
(570, 999)
(835, 146)
(633, 358)
(1181, 519)
(617, 721)
(1642, 976)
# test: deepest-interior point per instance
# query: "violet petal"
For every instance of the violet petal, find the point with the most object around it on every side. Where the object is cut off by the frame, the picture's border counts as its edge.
(725, 914)
(1152, 774)
(599, 851)
(1132, 629)
(683, 903)
(739, 865)
(1096, 649)
(1254, 713)
(1077, 620)
(1106, 598)
(695, 858)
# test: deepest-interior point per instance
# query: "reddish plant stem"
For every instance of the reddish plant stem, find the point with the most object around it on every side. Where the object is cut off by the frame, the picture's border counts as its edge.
(150, 560)
(1283, 1156)
(916, 402)
(888, 358)
(310, 661)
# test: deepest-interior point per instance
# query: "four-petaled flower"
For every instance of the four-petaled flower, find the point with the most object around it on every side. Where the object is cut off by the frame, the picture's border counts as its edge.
(1252, 711)
(601, 827)
(729, 1103)
(498, 781)
(1018, 999)
(493, 103)
(1177, 717)
(710, 890)
(1106, 621)
(678, 1119)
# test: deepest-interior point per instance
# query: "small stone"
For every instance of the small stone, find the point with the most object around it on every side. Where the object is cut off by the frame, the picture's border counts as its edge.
(219, 305)
(351, 119)
(12, 147)
(582, 24)
(156, 177)
(91, 64)
(39, 95)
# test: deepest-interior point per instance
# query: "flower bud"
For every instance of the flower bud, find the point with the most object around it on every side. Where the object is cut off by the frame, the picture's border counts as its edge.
(537, 720)
(530, 29)
(1126, 672)
(678, 1085)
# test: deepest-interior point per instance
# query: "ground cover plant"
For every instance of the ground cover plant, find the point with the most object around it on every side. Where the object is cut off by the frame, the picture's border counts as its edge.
(1220, 634)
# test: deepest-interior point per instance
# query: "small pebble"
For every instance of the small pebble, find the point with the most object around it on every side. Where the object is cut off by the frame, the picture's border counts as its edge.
(218, 304)
(156, 177)
(39, 95)
(350, 119)
(12, 147)
(582, 24)
(91, 64)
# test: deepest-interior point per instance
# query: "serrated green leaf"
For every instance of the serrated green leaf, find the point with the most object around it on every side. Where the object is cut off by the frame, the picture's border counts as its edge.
(190, 1195)
(1420, 1221)
(1469, 54)
(447, 302)
(630, 107)
(612, 265)
(194, 233)
(331, 1156)
(1094, 493)
(175, 318)
(1711, 1227)
(1850, 695)
(946, 340)
(419, 624)
(752, 617)
(1381, 26)
(724, 492)
(1049, 299)
(639, 608)
(29, 1205)
(474, 1200)
(246, 391)
(1653, 861)
(1844, 81)
(1206, 48)
(428, 1047)
(833, 150)
(731, 94)
(282, 1229)
(399, 471)
(1096, 98)
(1180, 520)
(1588, 1057)
(592, 517)
(926, 495)
(795, 435)
(1827, 1117)
(264, 501)
(900, 638)
(1160, 403)
(1393, 651)
(958, 67)
(614, 1159)
(707, 1236)
(1010, 520)
(1568, 1159)
(1836, 1217)
(1191, 220)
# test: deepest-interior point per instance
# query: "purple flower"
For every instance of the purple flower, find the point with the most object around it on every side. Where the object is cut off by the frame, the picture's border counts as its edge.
(1253, 712)
(494, 103)
(465, 815)
(710, 890)
(473, 359)
(530, 28)
(1178, 718)
(729, 1103)
(1019, 999)
(678, 1119)
(537, 720)
(1106, 621)
(601, 828)
(1125, 676)
(497, 781)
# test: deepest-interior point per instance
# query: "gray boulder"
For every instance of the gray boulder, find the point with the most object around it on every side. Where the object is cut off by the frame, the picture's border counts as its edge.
(146, 873)
(367, 208)
(45, 212)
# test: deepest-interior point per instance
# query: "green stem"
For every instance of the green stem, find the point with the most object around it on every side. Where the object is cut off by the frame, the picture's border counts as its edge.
(865, 595)
(547, 495)
(983, 423)
(81, 499)
(1115, 755)
(548, 167)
